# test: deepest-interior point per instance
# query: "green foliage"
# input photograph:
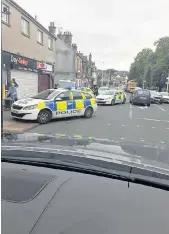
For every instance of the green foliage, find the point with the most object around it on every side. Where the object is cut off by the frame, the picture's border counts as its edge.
(153, 67)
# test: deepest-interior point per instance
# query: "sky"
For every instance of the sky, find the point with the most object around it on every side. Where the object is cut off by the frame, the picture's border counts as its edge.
(114, 31)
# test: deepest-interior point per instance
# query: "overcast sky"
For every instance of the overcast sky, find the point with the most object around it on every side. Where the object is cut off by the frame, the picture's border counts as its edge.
(114, 31)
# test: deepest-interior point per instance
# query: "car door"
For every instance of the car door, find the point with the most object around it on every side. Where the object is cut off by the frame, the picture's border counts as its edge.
(64, 105)
(78, 104)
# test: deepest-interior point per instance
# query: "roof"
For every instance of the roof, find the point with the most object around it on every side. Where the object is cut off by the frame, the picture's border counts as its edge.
(14, 4)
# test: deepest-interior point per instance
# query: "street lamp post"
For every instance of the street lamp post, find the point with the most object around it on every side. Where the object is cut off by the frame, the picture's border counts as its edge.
(102, 73)
(167, 84)
(143, 83)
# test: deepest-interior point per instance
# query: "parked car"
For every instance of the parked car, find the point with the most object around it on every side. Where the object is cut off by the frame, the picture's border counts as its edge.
(165, 97)
(55, 104)
(156, 97)
(111, 97)
(140, 96)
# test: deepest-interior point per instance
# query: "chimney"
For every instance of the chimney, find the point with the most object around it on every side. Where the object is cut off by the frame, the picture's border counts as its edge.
(74, 46)
(90, 57)
(52, 28)
(66, 37)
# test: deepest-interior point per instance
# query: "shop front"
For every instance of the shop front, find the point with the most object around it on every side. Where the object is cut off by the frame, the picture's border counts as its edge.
(26, 75)
(45, 71)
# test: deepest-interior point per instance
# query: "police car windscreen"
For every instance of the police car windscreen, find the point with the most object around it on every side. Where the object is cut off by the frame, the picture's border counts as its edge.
(109, 92)
(46, 94)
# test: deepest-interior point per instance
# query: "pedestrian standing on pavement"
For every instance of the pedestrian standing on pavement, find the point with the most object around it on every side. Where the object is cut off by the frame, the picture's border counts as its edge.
(14, 81)
(11, 96)
(12, 93)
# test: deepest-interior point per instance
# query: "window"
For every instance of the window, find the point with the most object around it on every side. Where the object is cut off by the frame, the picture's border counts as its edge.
(5, 13)
(40, 36)
(24, 26)
(46, 94)
(77, 95)
(87, 95)
(50, 43)
(64, 96)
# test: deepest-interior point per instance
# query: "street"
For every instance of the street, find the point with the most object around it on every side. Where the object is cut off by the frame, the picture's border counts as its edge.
(121, 122)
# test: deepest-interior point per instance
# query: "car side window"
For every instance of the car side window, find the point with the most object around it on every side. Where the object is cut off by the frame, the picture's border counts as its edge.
(87, 95)
(64, 96)
(77, 96)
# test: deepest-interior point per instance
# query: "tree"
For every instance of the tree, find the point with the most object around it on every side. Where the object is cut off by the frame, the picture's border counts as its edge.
(153, 67)
(160, 68)
(140, 66)
(147, 78)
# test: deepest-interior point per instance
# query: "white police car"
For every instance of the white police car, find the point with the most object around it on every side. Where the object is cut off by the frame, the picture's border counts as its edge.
(111, 97)
(54, 103)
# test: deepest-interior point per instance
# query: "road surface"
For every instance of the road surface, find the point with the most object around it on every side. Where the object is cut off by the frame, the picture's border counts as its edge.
(123, 121)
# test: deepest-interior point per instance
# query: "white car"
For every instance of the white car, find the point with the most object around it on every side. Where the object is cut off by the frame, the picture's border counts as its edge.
(102, 89)
(165, 97)
(54, 103)
(111, 97)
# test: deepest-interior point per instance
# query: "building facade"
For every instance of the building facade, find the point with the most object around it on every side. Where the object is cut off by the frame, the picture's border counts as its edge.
(65, 66)
(79, 71)
(89, 70)
(28, 50)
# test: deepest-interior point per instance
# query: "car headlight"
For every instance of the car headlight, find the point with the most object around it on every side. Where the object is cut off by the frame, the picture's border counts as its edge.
(30, 107)
(107, 98)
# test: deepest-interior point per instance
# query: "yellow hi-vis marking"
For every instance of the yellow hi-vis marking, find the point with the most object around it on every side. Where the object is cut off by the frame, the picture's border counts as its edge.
(60, 135)
(61, 106)
(78, 136)
(79, 104)
(41, 105)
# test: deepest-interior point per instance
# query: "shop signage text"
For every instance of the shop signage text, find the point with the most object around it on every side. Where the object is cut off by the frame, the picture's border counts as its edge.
(22, 63)
(19, 60)
(44, 67)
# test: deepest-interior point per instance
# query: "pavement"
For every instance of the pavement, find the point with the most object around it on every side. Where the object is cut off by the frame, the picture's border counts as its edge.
(14, 125)
(123, 121)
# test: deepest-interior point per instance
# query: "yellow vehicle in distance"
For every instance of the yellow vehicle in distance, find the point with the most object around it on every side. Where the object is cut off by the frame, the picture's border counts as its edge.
(131, 85)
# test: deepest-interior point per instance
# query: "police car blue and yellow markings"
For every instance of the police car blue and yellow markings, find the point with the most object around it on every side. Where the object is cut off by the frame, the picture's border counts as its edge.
(67, 105)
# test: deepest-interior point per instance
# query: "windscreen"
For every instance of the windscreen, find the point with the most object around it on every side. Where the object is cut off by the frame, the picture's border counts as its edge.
(131, 84)
(46, 94)
(143, 92)
(109, 92)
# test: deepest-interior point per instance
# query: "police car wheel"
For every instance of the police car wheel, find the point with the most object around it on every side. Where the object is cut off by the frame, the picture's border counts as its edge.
(112, 102)
(44, 117)
(88, 112)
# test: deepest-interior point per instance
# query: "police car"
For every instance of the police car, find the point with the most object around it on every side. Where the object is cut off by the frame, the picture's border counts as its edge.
(111, 97)
(54, 103)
